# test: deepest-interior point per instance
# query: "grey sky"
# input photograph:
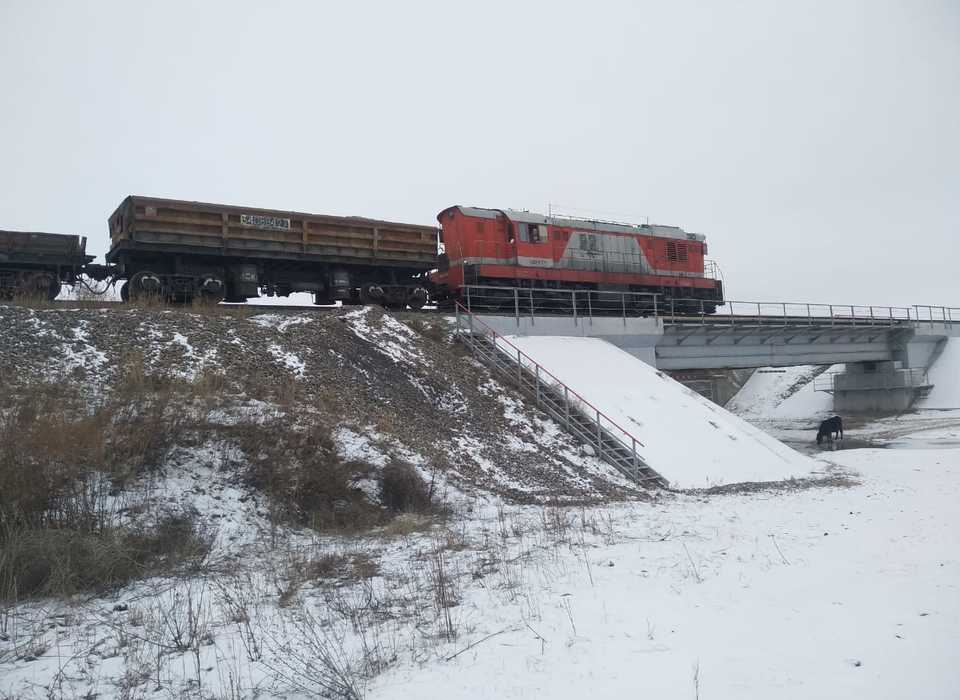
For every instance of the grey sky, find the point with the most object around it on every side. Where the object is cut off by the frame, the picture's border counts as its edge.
(816, 144)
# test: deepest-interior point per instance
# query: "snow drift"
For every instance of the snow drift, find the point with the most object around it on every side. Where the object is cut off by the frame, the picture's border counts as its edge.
(689, 440)
(944, 374)
(783, 393)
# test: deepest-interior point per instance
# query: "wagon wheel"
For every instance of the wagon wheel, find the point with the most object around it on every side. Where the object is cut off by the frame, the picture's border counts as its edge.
(417, 298)
(144, 284)
(39, 285)
(371, 293)
(54, 289)
(212, 290)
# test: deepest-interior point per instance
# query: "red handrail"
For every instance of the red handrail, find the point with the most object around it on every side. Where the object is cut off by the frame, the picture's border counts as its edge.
(548, 372)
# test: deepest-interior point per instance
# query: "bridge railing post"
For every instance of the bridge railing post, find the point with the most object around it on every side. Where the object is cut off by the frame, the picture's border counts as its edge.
(473, 341)
(831, 315)
(533, 320)
(759, 314)
(853, 315)
(636, 459)
(809, 317)
(573, 301)
(654, 305)
(537, 386)
(599, 436)
(623, 306)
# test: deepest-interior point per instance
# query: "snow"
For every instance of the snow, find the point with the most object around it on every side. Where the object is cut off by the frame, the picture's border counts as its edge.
(783, 393)
(944, 374)
(279, 321)
(689, 440)
(388, 335)
(289, 360)
(826, 593)
(833, 592)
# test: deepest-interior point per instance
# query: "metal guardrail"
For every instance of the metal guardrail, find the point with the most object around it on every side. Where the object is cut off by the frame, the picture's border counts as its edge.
(926, 313)
(612, 443)
(588, 304)
(530, 303)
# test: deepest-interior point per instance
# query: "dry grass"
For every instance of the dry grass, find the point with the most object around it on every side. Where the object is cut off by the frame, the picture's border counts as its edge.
(306, 480)
(63, 561)
(63, 467)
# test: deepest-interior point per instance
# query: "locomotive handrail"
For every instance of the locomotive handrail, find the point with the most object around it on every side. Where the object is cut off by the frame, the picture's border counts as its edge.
(543, 370)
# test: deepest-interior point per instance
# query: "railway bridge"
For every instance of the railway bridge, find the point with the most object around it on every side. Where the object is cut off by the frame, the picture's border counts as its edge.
(886, 350)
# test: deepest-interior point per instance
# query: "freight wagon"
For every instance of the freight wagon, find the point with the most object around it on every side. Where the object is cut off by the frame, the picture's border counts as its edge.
(184, 250)
(37, 264)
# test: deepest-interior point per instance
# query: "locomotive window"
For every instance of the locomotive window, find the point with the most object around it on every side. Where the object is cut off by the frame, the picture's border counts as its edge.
(531, 233)
(588, 241)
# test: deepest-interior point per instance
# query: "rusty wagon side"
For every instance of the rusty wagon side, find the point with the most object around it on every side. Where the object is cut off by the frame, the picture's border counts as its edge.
(37, 264)
(186, 249)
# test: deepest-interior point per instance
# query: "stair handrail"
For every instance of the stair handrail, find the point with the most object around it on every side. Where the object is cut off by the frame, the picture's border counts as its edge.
(543, 370)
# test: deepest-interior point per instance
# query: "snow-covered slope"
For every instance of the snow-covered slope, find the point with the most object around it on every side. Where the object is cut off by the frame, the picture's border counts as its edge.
(691, 441)
(783, 393)
(945, 377)
(411, 393)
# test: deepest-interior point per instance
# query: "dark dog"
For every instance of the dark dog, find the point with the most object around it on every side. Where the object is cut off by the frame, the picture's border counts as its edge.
(829, 429)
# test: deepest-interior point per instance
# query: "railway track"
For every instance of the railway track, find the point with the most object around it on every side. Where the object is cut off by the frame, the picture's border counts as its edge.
(714, 320)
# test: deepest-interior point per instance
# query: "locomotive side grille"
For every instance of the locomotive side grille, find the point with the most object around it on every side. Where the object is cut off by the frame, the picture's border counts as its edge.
(676, 252)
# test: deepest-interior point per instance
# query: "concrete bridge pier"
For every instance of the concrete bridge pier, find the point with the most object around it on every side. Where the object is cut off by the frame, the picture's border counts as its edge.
(877, 387)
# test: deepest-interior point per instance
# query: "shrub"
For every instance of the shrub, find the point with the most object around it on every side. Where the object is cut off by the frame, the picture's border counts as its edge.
(306, 480)
(53, 561)
(403, 490)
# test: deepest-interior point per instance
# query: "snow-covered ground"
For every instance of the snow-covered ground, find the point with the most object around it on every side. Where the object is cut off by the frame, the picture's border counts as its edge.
(688, 439)
(827, 593)
(846, 589)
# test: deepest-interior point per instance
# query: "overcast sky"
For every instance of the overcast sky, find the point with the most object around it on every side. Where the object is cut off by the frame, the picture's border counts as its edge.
(816, 144)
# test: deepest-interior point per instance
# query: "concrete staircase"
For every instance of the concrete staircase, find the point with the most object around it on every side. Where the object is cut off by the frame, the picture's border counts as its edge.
(571, 411)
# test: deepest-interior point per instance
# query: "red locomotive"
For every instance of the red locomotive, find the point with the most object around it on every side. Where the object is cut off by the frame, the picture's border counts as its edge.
(505, 248)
